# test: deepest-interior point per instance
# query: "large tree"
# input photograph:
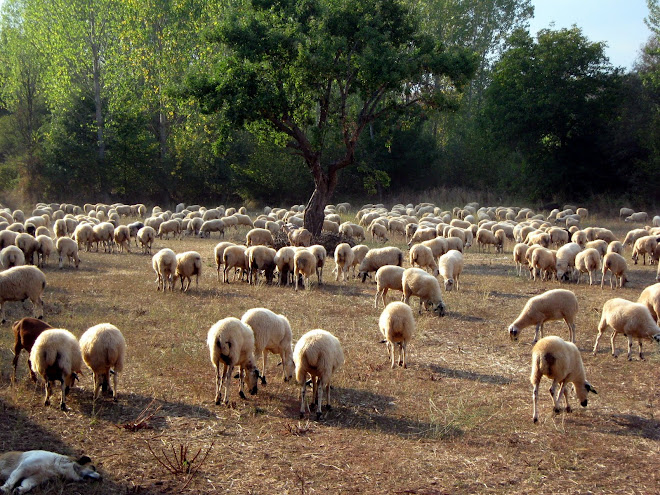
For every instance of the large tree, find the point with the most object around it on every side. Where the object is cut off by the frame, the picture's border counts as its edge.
(313, 74)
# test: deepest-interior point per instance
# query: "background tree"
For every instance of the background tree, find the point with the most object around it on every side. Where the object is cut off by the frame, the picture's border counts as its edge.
(312, 75)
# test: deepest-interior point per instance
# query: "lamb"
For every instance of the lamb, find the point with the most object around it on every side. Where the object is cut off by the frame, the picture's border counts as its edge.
(451, 266)
(304, 265)
(318, 354)
(376, 258)
(218, 253)
(633, 320)
(423, 257)
(284, 262)
(561, 362)
(27, 244)
(67, 247)
(164, 264)
(545, 261)
(272, 333)
(650, 297)
(397, 325)
(56, 356)
(556, 304)
(300, 237)
(104, 349)
(616, 264)
(20, 283)
(320, 253)
(26, 331)
(256, 237)
(416, 282)
(588, 261)
(187, 265)
(231, 342)
(234, 257)
(12, 256)
(388, 277)
(146, 235)
(644, 245)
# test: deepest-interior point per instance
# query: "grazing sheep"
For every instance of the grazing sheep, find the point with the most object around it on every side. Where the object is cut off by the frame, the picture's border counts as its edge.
(421, 235)
(343, 260)
(26, 331)
(284, 262)
(304, 265)
(438, 246)
(397, 325)
(519, 251)
(616, 264)
(580, 237)
(375, 258)
(187, 265)
(359, 253)
(272, 333)
(59, 228)
(544, 261)
(103, 349)
(451, 266)
(67, 247)
(8, 238)
(378, 231)
(561, 362)
(12, 256)
(566, 259)
(639, 217)
(633, 235)
(599, 245)
(27, 244)
(625, 212)
(588, 261)
(20, 283)
(218, 253)
(56, 356)
(650, 297)
(133, 229)
(487, 238)
(644, 245)
(318, 354)
(422, 256)
(388, 277)
(455, 244)
(633, 320)
(300, 237)
(259, 237)
(170, 226)
(231, 342)
(556, 304)
(104, 233)
(123, 238)
(416, 282)
(164, 264)
(234, 257)
(84, 235)
(44, 248)
(320, 253)
(146, 235)
(614, 247)
(260, 258)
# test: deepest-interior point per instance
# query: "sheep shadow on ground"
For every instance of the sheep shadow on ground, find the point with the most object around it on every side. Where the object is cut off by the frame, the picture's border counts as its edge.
(635, 426)
(470, 375)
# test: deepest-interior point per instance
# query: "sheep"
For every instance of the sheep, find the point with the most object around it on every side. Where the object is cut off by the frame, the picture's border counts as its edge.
(67, 247)
(320, 253)
(455, 244)
(422, 235)
(599, 245)
(319, 354)
(657, 275)
(56, 356)
(416, 282)
(284, 263)
(359, 253)
(438, 246)
(566, 259)
(231, 342)
(639, 217)
(614, 247)
(261, 237)
(300, 237)
(187, 265)
(487, 238)
(260, 258)
(20, 283)
(27, 244)
(633, 320)
(104, 233)
(44, 248)
(633, 235)
(644, 245)
(397, 325)
(388, 277)
(343, 260)
(234, 257)
(378, 231)
(26, 330)
(123, 238)
(146, 236)
(12, 256)
(650, 297)
(7, 238)
(169, 226)
(103, 349)
(376, 258)
(587, 261)
(616, 264)
(561, 362)
(579, 237)
(451, 266)
(218, 253)
(519, 251)
(304, 265)
(545, 262)
(423, 257)
(556, 304)
(164, 264)
(272, 333)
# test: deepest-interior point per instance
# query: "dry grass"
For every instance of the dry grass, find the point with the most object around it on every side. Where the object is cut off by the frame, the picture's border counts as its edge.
(458, 420)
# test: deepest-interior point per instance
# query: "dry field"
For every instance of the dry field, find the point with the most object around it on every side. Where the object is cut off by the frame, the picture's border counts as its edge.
(458, 420)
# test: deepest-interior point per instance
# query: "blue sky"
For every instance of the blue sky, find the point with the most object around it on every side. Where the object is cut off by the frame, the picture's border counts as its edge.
(619, 23)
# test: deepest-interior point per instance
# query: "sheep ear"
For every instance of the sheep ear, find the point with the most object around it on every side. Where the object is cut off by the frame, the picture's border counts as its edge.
(590, 388)
(83, 460)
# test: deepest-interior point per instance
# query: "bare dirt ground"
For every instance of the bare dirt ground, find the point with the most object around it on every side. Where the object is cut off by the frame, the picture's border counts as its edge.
(458, 420)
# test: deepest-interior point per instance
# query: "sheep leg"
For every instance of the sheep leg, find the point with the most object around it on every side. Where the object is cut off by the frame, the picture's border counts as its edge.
(49, 392)
(97, 385)
(535, 400)
(456, 280)
(402, 355)
(390, 352)
(564, 389)
(63, 397)
(630, 346)
(640, 350)
(225, 380)
(114, 386)
(612, 341)
(218, 385)
(556, 397)
(319, 386)
(14, 362)
(263, 372)
(378, 292)
(538, 331)
(302, 397)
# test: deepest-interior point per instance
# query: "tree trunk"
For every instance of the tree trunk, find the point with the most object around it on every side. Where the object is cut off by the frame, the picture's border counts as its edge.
(314, 211)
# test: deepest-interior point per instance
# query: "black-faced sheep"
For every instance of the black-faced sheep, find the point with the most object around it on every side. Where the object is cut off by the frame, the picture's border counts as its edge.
(556, 304)
(397, 325)
(260, 258)
(104, 349)
(561, 362)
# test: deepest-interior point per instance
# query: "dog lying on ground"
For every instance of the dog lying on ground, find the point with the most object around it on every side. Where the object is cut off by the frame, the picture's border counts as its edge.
(25, 470)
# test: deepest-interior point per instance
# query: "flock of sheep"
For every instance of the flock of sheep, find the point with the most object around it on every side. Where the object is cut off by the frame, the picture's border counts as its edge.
(550, 246)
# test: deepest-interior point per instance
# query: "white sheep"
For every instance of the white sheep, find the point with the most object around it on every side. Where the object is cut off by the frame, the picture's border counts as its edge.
(388, 277)
(614, 247)
(320, 253)
(650, 297)
(146, 236)
(231, 342)
(104, 233)
(20, 283)
(28, 244)
(616, 265)
(343, 260)
(639, 217)
(422, 235)
(272, 333)
(375, 258)
(519, 252)
(284, 262)
(544, 262)
(218, 254)
(450, 268)
(566, 259)
(633, 320)
(643, 245)
(234, 257)
(455, 243)
(379, 231)
(170, 227)
(438, 246)
(422, 256)
(359, 253)
(417, 282)
(67, 248)
(261, 237)
(397, 325)
(300, 237)
(318, 354)
(556, 304)
(103, 349)
(487, 238)
(12, 256)
(588, 261)
(123, 238)
(187, 265)
(164, 264)
(260, 258)
(561, 362)
(56, 356)
(304, 265)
